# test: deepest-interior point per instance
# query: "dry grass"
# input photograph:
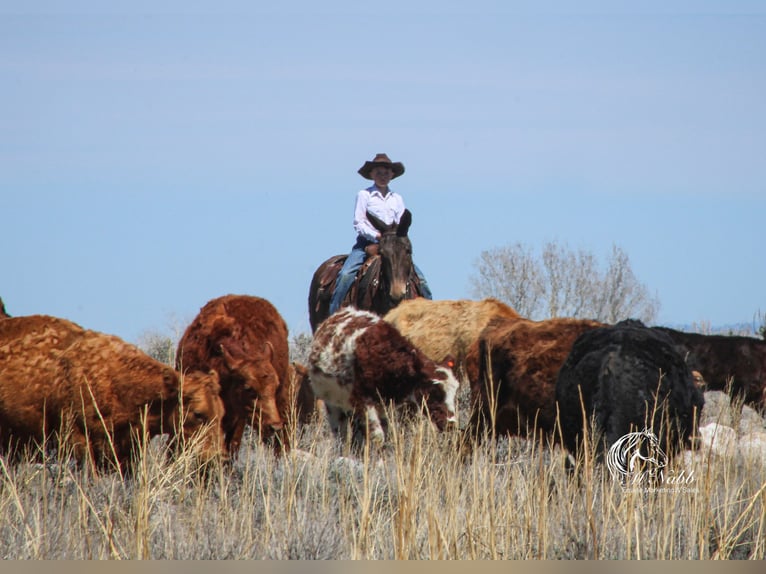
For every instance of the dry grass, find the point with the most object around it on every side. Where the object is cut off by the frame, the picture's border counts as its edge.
(416, 499)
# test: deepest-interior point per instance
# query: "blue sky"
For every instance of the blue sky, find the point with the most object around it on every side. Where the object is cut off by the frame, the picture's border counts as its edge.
(156, 155)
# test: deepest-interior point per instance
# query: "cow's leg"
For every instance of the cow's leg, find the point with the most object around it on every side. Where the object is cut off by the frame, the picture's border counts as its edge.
(339, 419)
(374, 427)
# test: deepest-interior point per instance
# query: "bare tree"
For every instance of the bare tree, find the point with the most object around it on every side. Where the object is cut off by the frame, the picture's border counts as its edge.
(563, 283)
(496, 266)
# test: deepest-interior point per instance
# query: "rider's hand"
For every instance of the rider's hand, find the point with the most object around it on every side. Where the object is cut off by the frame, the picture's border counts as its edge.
(371, 250)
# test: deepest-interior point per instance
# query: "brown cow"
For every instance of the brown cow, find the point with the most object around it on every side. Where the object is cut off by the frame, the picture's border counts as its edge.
(57, 377)
(727, 362)
(520, 360)
(244, 339)
(446, 328)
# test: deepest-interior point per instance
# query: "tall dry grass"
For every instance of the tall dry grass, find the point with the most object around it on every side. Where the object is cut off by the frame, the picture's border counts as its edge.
(415, 499)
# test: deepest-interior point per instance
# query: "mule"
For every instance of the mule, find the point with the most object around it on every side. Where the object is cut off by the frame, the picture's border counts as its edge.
(383, 281)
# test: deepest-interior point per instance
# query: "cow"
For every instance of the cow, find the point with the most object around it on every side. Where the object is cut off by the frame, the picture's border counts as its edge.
(626, 378)
(244, 339)
(446, 328)
(512, 369)
(358, 363)
(97, 393)
(727, 362)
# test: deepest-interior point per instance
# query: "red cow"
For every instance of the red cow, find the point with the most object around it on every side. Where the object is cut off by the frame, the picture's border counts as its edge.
(56, 377)
(244, 339)
(513, 368)
(357, 361)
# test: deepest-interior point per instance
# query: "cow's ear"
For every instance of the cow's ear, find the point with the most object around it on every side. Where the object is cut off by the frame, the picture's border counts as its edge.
(268, 350)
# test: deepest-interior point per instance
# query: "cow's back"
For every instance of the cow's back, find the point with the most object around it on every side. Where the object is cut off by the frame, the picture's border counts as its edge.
(725, 361)
(246, 322)
(444, 328)
(30, 348)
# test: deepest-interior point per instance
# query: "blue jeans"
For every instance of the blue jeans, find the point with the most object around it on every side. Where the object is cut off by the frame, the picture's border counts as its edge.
(347, 275)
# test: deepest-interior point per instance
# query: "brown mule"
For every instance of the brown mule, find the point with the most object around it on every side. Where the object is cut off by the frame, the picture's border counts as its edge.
(383, 281)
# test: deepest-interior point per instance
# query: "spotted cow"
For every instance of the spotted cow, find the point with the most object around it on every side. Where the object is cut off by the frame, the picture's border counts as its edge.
(244, 339)
(358, 363)
(98, 392)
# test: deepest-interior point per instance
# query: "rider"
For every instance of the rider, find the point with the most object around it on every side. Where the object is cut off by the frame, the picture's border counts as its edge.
(385, 204)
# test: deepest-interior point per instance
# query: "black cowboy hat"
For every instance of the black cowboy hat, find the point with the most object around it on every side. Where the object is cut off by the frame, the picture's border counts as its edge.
(381, 159)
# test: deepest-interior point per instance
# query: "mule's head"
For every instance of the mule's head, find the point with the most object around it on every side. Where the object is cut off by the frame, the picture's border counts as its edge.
(395, 251)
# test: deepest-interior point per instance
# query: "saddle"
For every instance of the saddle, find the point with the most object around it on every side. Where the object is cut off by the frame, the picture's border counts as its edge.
(364, 290)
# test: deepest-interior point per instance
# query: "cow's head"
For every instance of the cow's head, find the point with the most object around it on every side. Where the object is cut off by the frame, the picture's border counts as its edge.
(254, 365)
(395, 251)
(441, 395)
(201, 412)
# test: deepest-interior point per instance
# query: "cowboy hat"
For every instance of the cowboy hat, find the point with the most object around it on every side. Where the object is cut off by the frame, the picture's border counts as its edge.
(381, 159)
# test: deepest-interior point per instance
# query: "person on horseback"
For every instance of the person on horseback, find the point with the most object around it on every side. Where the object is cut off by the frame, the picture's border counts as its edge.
(385, 204)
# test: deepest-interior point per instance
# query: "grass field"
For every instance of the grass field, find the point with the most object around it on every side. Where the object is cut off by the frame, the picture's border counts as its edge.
(415, 499)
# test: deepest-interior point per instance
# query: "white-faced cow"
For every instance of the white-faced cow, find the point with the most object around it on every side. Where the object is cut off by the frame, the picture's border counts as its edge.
(358, 363)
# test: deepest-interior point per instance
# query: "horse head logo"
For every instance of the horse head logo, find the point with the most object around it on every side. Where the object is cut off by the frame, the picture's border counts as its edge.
(636, 455)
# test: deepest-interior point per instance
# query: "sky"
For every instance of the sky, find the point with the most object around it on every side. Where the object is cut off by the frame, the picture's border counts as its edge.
(156, 155)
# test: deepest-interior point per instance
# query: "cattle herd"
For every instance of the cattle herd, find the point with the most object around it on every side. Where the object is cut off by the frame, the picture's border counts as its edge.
(64, 386)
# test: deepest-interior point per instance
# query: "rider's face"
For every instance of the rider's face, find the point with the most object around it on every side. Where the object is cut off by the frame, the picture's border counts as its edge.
(381, 175)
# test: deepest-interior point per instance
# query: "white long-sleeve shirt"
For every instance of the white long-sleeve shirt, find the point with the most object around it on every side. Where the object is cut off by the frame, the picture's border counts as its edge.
(388, 208)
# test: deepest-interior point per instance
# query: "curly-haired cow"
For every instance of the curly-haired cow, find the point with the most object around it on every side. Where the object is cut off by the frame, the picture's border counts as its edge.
(512, 369)
(99, 393)
(446, 328)
(244, 339)
(624, 378)
(358, 363)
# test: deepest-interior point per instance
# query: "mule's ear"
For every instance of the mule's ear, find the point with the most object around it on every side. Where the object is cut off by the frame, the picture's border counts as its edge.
(404, 223)
(377, 223)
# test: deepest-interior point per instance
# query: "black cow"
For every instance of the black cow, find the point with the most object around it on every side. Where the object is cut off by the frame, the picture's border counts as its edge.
(724, 358)
(627, 377)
